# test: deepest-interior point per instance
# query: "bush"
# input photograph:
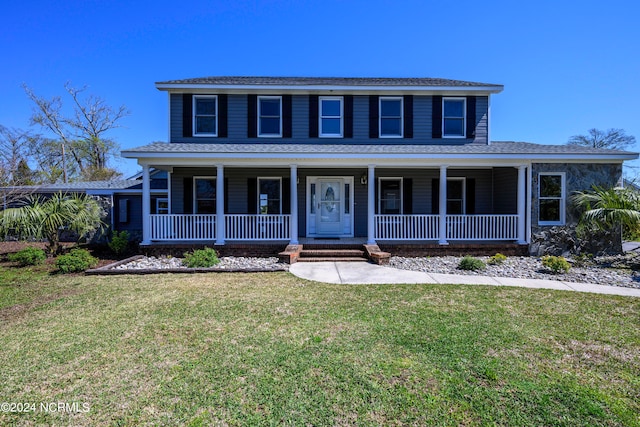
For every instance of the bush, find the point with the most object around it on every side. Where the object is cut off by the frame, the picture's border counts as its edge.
(28, 256)
(556, 264)
(119, 242)
(470, 263)
(497, 259)
(201, 258)
(75, 261)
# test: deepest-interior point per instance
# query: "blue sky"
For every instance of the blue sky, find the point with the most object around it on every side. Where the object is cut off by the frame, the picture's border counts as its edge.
(567, 66)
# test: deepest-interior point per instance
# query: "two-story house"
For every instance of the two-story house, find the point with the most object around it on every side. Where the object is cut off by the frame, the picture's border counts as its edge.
(382, 160)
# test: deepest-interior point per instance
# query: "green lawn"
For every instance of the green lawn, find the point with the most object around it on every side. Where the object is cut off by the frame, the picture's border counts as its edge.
(264, 349)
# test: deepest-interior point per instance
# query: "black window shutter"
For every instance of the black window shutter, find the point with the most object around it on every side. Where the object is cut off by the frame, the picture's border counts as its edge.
(286, 196)
(313, 116)
(348, 116)
(252, 116)
(376, 209)
(471, 116)
(471, 196)
(222, 116)
(435, 196)
(187, 115)
(436, 122)
(407, 194)
(373, 117)
(252, 195)
(188, 195)
(286, 116)
(226, 195)
(408, 116)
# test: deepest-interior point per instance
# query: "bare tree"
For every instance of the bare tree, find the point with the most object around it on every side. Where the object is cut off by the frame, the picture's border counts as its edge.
(82, 135)
(13, 150)
(615, 139)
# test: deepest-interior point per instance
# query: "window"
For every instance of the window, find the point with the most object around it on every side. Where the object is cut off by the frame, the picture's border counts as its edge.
(331, 113)
(269, 196)
(204, 195)
(390, 117)
(453, 117)
(455, 196)
(270, 116)
(162, 206)
(205, 118)
(551, 187)
(390, 202)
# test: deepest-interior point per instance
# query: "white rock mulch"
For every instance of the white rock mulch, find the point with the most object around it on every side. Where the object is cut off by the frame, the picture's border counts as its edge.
(226, 263)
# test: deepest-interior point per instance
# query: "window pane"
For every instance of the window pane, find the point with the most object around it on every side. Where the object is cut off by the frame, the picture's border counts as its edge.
(205, 125)
(550, 210)
(453, 108)
(205, 189)
(550, 186)
(269, 196)
(206, 106)
(312, 199)
(390, 107)
(390, 197)
(347, 198)
(454, 127)
(454, 207)
(331, 107)
(270, 107)
(330, 126)
(270, 126)
(206, 206)
(390, 126)
(454, 189)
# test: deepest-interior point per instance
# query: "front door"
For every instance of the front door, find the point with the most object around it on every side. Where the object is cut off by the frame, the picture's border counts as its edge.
(330, 198)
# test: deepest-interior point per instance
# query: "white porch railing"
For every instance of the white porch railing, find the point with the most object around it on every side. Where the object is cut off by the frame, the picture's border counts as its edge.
(257, 227)
(406, 227)
(183, 227)
(482, 227)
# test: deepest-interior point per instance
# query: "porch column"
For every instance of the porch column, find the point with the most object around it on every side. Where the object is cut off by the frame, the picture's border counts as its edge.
(442, 229)
(220, 224)
(146, 206)
(293, 226)
(371, 205)
(522, 191)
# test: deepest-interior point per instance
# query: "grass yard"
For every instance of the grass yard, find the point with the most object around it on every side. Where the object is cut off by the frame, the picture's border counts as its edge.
(265, 349)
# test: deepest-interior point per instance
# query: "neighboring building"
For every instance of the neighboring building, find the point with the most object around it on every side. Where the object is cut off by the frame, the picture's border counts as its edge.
(385, 160)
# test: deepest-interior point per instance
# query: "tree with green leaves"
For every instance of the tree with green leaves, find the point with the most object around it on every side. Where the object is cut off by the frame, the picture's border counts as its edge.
(45, 218)
(615, 139)
(606, 208)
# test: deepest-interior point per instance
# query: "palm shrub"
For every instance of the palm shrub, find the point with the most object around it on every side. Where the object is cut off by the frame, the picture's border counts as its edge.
(43, 218)
(605, 208)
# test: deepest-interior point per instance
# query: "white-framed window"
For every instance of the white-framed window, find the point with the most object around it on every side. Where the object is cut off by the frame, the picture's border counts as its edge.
(205, 115)
(204, 194)
(331, 116)
(456, 200)
(390, 199)
(269, 195)
(551, 198)
(454, 124)
(162, 205)
(391, 110)
(270, 116)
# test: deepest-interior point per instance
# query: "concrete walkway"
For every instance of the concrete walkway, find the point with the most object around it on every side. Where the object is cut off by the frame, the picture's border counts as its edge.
(365, 273)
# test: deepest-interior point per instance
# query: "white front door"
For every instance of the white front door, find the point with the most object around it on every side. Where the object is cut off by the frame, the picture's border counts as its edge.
(330, 199)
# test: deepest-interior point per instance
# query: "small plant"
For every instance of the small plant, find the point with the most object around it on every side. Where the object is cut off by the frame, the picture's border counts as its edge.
(556, 264)
(497, 259)
(119, 242)
(201, 258)
(471, 263)
(582, 260)
(28, 256)
(75, 261)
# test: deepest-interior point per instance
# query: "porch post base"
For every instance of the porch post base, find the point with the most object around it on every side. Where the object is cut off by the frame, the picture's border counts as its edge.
(521, 242)
(443, 242)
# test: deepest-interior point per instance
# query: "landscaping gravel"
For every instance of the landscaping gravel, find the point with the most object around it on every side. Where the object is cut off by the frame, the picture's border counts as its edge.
(526, 267)
(226, 263)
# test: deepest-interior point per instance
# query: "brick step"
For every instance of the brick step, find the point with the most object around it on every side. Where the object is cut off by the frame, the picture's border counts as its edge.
(335, 246)
(332, 259)
(333, 253)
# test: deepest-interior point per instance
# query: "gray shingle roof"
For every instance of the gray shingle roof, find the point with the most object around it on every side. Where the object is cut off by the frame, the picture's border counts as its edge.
(325, 81)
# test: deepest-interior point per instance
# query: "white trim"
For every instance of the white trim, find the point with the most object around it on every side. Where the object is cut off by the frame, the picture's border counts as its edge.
(379, 201)
(563, 197)
(529, 201)
(194, 131)
(401, 118)
(320, 116)
(259, 116)
(464, 117)
(169, 190)
(195, 200)
(277, 178)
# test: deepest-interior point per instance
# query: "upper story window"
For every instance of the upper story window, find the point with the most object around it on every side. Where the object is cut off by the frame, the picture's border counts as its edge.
(453, 117)
(390, 117)
(205, 117)
(270, 116)
(552, 194)
(331, 117)
(204, 195)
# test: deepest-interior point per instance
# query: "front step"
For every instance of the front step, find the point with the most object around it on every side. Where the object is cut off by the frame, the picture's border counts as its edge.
(332, 255)
(332, 259)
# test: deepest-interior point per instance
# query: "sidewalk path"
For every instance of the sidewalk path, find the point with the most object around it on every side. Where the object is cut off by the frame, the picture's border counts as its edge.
(365, 273)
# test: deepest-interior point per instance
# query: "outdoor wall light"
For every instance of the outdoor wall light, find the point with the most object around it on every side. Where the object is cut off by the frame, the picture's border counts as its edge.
(364, 179)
